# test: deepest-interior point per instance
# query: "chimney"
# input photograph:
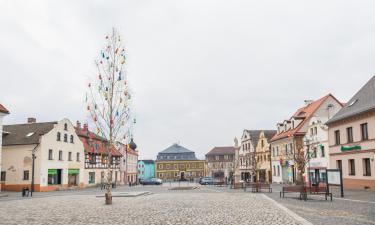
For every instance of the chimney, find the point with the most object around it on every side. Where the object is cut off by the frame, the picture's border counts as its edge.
(308, 102)
(78, 124)
(31, 120)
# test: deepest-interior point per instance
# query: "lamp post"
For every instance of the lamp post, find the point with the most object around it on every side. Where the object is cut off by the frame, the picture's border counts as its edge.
(33, 169)
(307, 144)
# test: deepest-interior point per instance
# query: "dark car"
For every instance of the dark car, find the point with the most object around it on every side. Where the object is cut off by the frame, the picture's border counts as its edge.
(151, 181)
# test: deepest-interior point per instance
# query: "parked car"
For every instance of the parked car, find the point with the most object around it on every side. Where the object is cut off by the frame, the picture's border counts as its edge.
(151, 181)
(206, 181)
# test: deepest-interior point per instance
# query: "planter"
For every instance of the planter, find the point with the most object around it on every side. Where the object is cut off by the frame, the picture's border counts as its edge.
(108, 198)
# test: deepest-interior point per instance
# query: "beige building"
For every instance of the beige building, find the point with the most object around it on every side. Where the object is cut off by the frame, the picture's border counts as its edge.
(3, 113)
(351, 136)
(220, 163)
(59, 156)
(290, 136)
(263, 156)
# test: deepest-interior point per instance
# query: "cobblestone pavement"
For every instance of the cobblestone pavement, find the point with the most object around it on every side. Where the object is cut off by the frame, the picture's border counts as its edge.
(160, 208)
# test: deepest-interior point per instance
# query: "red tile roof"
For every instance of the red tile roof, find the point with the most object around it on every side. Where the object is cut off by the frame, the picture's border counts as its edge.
(3, 109)
(304, 113)
(93, 143)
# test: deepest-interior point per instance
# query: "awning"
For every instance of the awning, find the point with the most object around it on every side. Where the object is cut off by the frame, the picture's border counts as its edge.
(52, 171)
(73, 171)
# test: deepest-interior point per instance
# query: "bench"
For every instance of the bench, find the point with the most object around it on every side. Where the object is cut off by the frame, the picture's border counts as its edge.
(294, 189)
(257, 187)
(319, 191)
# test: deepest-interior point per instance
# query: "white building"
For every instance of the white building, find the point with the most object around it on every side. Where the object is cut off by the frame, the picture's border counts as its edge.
(59, 156)
(3, 112)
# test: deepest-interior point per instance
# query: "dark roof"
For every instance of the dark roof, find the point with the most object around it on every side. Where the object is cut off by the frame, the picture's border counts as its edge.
(222, 151)
(175, 148)
(148, 161)
(254, 135)
(362, 101)
(3, 109)
(17, 134)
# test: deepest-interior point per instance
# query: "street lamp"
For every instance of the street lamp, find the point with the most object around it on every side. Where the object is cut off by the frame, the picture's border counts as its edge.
(307, 144)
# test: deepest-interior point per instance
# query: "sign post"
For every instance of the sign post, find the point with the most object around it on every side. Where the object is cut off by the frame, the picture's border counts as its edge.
(334, 178)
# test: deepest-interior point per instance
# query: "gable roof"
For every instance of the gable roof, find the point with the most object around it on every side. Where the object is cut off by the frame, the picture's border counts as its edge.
(362, 101)
(3, 109)
(175, 148)
(222, 151)
(307, 112)
(17, 134)
(254, 135)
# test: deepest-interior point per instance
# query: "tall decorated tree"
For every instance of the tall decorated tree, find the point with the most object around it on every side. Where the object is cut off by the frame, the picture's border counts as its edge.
(108, 99)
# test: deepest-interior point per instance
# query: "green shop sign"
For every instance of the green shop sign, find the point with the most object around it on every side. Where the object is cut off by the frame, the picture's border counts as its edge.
(73, 171)
(349, 148)
(52, 171)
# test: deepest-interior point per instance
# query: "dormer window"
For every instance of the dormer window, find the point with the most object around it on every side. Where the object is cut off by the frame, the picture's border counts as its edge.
(58, 137)
(65, 126)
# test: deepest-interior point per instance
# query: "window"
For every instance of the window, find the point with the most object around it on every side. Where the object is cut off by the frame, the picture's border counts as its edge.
(291, 148)
(160, 166)
(3, 175)
(322, 151)
(58, 138)
(70, 156)
(217, 158)
(78, 157)
(65, 126)
(277, 150)
(262, 143)
(339, 164)
(364, 131)
(71, 139)
(60, 155)
(351, 167)
(366, 167)
(65, 138)
(25, 175)
(315, 130)
(337, 137)
(274, 170)
(278, 170)
(286, 149)
(91, 177)
(50, 154)
(349, 134)
(311, 131)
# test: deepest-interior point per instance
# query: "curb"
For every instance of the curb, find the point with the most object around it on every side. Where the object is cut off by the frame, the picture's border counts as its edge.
(298, 218)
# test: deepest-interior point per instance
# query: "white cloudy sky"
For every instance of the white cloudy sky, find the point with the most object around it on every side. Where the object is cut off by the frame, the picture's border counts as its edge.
(200, 71)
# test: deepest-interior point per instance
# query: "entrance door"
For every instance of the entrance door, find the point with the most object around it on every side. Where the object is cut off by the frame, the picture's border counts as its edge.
(72, 180)
(182, 176)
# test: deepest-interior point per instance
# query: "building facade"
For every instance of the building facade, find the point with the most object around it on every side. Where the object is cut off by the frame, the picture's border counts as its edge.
(179, 163)
(131, 163)
(3, 113)
(352, 139)
(220, 163)
(96, 157)
(146, 169)
(263, 156)
(289, 142)
(59, 156)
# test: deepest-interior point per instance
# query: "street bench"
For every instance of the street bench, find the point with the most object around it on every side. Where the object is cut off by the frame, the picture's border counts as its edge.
(293, 189)
(319, 191)
(258, 187)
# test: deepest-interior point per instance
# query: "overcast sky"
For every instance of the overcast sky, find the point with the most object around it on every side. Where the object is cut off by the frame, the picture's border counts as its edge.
(200, 71)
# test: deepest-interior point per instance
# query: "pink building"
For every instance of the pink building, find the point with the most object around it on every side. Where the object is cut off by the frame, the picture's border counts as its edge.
(351, 137)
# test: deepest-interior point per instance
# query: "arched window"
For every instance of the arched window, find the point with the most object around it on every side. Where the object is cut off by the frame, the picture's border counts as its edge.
(65, 138)
(58, 138)
(71, 139)
(65, 126)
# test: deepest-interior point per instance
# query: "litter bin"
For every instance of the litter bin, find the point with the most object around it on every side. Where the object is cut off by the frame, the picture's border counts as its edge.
(25, 192)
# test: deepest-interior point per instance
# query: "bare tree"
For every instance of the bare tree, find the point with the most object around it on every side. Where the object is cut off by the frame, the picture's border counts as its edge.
(108, 99)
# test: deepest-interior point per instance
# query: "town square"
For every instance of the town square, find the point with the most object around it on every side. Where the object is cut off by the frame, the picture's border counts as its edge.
(187, 112)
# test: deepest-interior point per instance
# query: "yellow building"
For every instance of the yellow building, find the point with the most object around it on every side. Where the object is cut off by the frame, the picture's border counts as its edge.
(179, 163)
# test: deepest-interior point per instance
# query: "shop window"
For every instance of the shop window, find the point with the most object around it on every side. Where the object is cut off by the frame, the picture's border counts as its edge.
(91, 177)
(54, 176)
